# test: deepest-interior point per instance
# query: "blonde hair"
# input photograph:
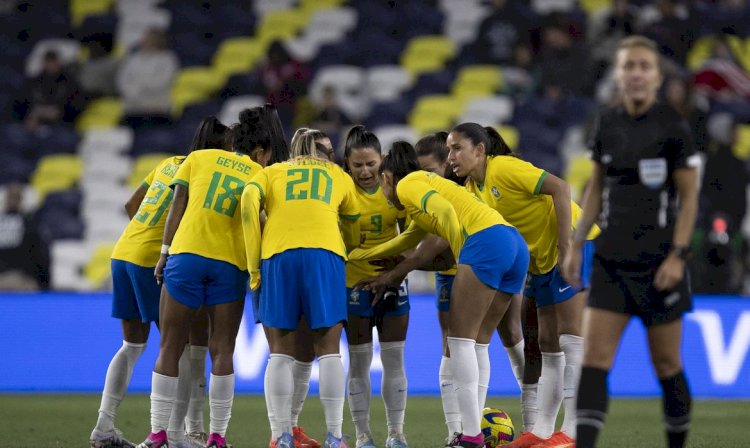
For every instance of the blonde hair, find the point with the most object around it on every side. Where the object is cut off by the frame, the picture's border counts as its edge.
(638, 41)
(304, 144)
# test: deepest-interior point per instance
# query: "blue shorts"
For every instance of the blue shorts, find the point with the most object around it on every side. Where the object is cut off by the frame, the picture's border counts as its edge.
(303, 282)
(194, 280)
(443, 287)
(550, 288)
(135, 293)
(359, 302)
(499, 257)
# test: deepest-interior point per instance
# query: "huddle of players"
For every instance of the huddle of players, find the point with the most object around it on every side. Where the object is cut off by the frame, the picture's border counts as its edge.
(299, 219)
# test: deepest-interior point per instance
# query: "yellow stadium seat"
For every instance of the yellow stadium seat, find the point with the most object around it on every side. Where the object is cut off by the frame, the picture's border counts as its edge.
(700, 51)
(100, 113)
(80, 9)
(282, 24)
(56, 173)
(577, 174)
(439, 104)
(426, 122)
(417, 64)
(488, 76)
(510, 135)
(143, 165)
(193, 85)
(97, 270)
(594, 6)
(468, 92)
(432, 45)
(741, 147)
(741, 49)
(236, 55)
(317, 5)
(427, 53)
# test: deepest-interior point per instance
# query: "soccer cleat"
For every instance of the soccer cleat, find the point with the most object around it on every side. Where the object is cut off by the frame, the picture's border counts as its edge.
(364, 440)
(334, 442)
(155, 440)
(557, 440)
(464, 441)
(109, 439)
(217, 441)
(527, 440)
(187, 442)
(200, 437)
(396, 441)
(285, 440)
(302, 440)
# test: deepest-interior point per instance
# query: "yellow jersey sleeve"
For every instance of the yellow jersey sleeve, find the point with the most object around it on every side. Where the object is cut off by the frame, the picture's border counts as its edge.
(404, 241)
(251, 204)
(518, 175)
(140, 243)
(212, 226)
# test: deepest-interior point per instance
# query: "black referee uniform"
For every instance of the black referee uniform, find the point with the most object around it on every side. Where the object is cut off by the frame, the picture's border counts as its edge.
(638, 155)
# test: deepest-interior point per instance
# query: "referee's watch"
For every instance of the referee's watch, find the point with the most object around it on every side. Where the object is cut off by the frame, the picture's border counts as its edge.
(682, 252)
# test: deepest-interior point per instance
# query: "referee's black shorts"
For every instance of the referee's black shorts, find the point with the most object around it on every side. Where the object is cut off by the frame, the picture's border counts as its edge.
(625, 290)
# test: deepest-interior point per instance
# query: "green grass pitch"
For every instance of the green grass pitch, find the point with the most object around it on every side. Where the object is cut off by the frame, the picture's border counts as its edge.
(66, 421)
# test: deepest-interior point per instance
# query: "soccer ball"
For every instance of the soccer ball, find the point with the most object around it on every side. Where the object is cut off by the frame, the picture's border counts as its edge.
(496, 427)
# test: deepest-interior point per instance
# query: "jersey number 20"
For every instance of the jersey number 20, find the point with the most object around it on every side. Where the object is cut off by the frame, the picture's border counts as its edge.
(305, 183)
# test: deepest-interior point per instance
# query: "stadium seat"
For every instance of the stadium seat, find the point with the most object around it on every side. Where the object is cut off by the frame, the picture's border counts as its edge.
(387, 82)
(700, 51)
(142, 166)
(389, 134)
(316, 5)
(741, 147)
(106, 166)
(97, 269)
(104, 225)
(741, 49)
(281, 24)
(102, 113)
(237, 55)
(462, 21)
(68, 258)
(67, 50)
(341, 19)
(510, 135)
(592, 7)
(136, 20)
(577, 174)
(115, 140)
(427, 53)
(263, 7)
(232, 107)
(350, 84)
(489, 111)
(488, 76)
(56, 172)
(80, 9)
(439, 104)
(545, 7)
(193, 85)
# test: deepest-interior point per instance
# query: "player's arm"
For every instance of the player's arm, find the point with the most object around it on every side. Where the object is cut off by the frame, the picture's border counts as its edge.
(560, 192)
(430, 255)
(349, 213)
(404, 241)
(174, 217)
(446, 218)
(592, 206)
(132, 205)
(350, 232)
(250, 206)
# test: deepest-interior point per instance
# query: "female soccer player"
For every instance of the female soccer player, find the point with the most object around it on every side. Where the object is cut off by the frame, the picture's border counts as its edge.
(203, 264)
(538, 204)
(492, 262)
(379, 222)
(135, 298)
(644, 190)
(299, 266)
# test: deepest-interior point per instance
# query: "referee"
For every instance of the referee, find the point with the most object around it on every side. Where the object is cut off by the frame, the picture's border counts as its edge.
(644, 191)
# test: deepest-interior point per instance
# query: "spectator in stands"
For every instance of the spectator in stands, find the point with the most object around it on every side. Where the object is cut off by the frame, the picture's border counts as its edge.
(97, 75)
(678, 94)
(50, 98)
(500, 33)
(145, 80)
(606, 29)
(522, 78)
(330, 118)
(24, 258)
(671, 29)
(284, 80)
(721, 77)
(561, 60)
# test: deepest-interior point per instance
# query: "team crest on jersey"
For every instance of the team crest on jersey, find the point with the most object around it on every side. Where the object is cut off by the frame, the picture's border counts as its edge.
(495, 192)
(652, 172)
(354, 297)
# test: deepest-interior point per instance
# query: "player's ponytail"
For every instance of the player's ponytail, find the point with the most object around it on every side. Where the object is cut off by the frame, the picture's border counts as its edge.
(304, 144)
(360, 137)
(279, 147)
(497, 145)
(401, 160)
(250, 133)
(209, 135)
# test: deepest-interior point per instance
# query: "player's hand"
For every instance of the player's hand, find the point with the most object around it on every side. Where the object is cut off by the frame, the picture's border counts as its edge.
(159, 269)
(670, 273)
(571, 267)
(388, 263)
(562, 253)
(377, 285)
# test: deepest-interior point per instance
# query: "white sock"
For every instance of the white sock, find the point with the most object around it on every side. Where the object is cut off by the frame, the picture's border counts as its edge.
(394, 385)
(116, 383)
(301, 374)
(194, 420)
(163, 394)
(483, 363)
(331, 387)
(281, 388)
(465, 378)
(220, 399)
(176, 429)
(448, 396)
(550, 393)
(517, 361)
(572, 346)
(529, 409)
(273, 422)
(360, 389)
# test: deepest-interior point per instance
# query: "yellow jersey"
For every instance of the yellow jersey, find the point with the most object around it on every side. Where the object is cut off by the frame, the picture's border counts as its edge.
(511, 186)
(304, 199)
(211, 226)
(378, 223)
(140, 243)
